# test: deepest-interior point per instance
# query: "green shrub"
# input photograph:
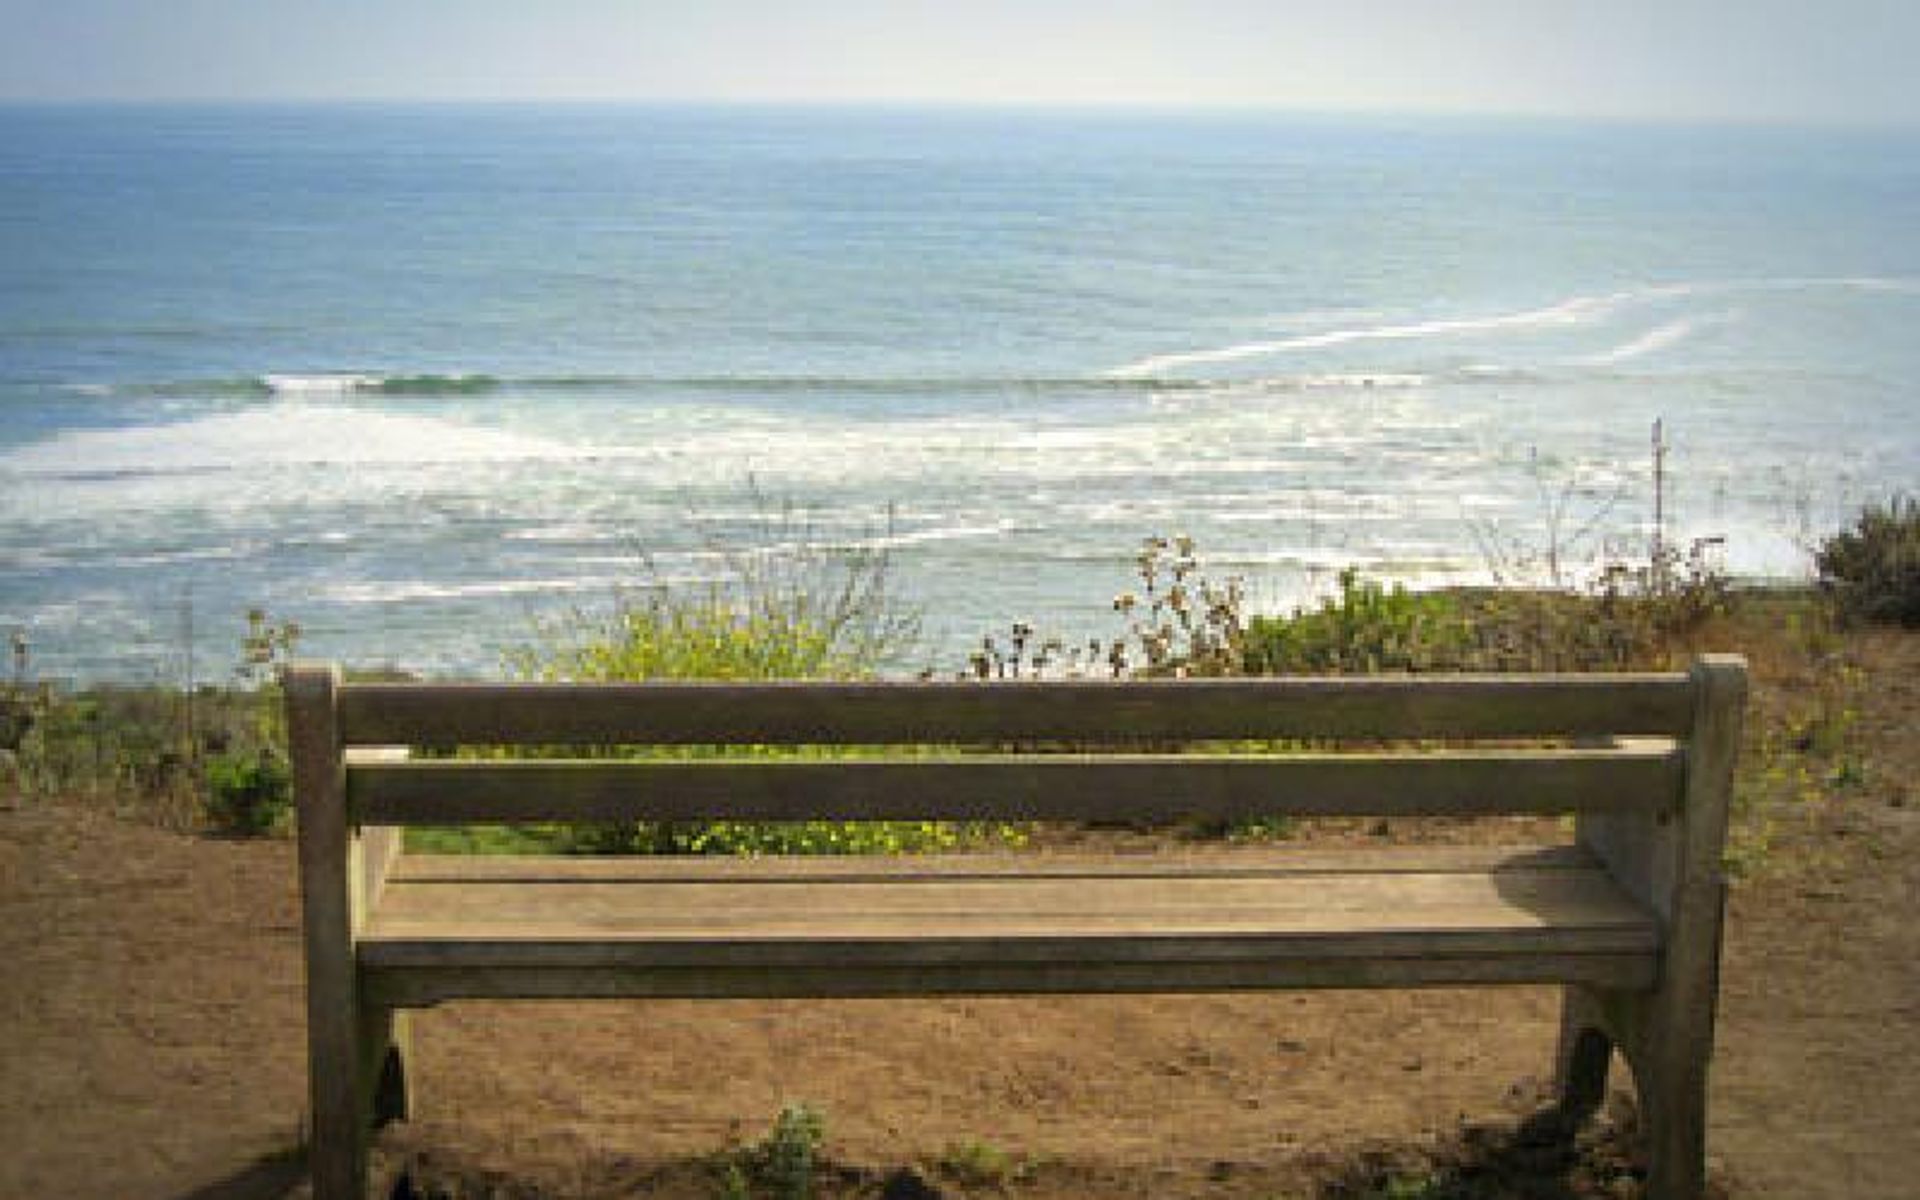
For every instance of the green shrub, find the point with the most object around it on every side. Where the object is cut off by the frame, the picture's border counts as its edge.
(1627, 620)
(820, 612)
(1365, 629)
(248, 793)
(1873, 569)
(668, 635)
(16, 718)
(122, 746)
(787, 607)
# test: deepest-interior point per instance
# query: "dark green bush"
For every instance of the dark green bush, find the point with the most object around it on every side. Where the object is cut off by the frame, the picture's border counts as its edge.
(1873, 569)
(248, 793)
(1627, 621)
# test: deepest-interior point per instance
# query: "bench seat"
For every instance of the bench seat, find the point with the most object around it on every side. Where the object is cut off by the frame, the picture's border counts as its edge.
(448, 927)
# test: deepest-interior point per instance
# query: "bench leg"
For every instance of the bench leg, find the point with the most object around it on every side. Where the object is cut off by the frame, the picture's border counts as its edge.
(1668, 1054)
(1586, 1052)
(386, 1050)
(337, 1145)
(1666, 1051)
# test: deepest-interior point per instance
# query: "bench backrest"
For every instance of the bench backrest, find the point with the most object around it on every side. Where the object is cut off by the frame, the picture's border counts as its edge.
(1633, 748)
(901, 773)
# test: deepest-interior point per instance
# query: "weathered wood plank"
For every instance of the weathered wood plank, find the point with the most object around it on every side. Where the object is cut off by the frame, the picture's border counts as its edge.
(1226, 863)
(328, 880)
(1315, 903)
(372, 850)
(1007, 920)
(1673, 1043)
(414, 988)
(879, 941)
(1101, 711)
(1054, 787)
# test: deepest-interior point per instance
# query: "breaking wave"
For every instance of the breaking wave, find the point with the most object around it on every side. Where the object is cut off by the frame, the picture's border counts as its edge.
(1572, 312)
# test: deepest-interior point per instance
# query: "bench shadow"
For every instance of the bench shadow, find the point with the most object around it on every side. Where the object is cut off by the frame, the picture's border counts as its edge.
(269, 1177)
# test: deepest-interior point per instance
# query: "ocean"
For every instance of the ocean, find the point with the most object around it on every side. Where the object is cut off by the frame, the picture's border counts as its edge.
(418, 377)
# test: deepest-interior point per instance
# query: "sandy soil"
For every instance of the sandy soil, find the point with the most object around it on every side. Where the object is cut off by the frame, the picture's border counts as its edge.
(151, 1046)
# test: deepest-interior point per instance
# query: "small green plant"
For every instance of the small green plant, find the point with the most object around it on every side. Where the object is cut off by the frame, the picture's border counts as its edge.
(1805, 749)
(733, 1184)
(978, 1164)
(1873, 569)
(781, 1164)
(1414, 1187)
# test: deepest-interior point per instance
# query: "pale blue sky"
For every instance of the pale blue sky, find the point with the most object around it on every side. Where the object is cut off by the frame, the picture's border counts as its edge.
(1771, 60)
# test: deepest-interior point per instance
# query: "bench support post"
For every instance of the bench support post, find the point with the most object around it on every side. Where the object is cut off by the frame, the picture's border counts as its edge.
(1673, 865)
(337, 1153)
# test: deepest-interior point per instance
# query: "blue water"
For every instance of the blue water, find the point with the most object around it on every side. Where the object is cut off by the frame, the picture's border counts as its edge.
(415, 376)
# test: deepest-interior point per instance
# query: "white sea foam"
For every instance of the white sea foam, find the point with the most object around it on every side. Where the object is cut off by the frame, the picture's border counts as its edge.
(1660, 337)
(320, 384)
(943, 533)
(1576, 310)
(1877, 283)
(279, 435)
(416, 590)
(1571, 312)
(1363, 379)
(566, 533)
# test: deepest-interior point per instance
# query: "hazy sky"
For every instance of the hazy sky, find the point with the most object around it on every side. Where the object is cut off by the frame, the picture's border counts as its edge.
(1795, 60)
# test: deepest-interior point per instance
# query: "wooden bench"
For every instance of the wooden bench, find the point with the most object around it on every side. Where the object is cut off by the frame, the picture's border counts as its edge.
(1628, 918)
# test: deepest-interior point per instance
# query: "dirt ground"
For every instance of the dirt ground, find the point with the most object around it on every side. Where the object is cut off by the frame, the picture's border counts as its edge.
(151, 1046)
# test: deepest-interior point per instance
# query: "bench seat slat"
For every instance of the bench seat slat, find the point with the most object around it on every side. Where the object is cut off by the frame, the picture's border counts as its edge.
(1200, 861)
(1067, 787)
(987, 932)
(412, 988)
(1101, 711)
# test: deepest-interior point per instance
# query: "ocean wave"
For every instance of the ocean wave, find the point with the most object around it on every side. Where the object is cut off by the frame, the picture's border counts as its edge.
(316, 383)
(344, 383)
(1658, 338)
(403, 385)
(340, 385)
(1574, 311)
(288, 434)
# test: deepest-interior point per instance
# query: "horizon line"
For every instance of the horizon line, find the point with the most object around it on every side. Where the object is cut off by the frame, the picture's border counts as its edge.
(906, 104)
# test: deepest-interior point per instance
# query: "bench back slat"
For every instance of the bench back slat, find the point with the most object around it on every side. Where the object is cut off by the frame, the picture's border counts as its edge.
(1069, 710)
(1072, 787)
